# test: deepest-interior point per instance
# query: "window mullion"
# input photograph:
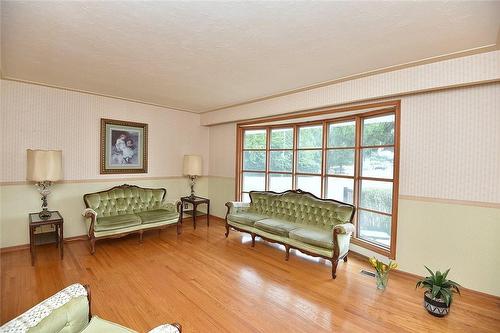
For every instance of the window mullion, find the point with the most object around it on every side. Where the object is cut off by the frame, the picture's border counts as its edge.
(323, 159)
(294, 158)
(268, 156)
(357, 170)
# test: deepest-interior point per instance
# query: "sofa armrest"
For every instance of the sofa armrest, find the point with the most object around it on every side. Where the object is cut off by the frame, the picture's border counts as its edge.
(171, 206)
(167, 328)
(344, 228)
(91, 214)
(44, 309)
(237, 206)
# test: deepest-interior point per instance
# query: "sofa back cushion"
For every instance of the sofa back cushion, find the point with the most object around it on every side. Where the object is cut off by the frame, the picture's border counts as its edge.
(301, 208)
(125, 199)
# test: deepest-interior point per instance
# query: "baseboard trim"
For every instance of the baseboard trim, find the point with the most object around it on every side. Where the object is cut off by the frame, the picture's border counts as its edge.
(27, 246)
(20, 247)
(419, 277)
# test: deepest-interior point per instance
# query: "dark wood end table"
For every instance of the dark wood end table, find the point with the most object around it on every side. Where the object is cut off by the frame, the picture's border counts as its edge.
(57, 221)
(195, 201)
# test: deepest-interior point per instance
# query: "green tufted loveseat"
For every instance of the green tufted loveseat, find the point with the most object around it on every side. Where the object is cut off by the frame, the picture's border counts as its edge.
(127, 209)
(68, 311)
(296, 219)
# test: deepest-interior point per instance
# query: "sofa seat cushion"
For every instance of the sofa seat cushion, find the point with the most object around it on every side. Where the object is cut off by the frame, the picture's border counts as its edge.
(247, 218)
(116, 222)
(317, 237)
(275, 226)
(98, 325)
(157, 215)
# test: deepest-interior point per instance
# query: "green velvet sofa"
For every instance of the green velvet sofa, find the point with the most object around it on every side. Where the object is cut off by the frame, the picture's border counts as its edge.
(127, 209)
(298, 220)
(69, 311)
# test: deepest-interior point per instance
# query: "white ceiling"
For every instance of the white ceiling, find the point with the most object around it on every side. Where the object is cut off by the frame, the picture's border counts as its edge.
(199, 56)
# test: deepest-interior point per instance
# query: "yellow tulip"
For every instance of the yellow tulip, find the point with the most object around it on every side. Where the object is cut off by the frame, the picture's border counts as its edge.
(384, 268)
(393, 265)
(373, 261)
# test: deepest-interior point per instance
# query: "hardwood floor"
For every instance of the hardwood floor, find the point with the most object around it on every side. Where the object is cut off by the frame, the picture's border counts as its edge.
(212, 284)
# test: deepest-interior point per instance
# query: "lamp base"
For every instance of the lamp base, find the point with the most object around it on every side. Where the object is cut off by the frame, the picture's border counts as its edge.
(44, 214)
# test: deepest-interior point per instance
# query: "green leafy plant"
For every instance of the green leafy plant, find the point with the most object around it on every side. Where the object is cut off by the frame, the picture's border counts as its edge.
(439, 287)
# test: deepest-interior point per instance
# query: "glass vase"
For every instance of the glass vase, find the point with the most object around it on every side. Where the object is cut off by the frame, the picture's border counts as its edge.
(381, 280)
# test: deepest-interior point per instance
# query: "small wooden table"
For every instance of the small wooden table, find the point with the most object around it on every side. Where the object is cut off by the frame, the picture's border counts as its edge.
(57, 221)
(195, 201)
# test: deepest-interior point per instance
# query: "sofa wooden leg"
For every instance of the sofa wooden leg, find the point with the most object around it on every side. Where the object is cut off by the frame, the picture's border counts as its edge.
(92, 245)
(287, 252)
(253, 239)
(140, 236)
(345, 258)
(227, 230)
(334, 268)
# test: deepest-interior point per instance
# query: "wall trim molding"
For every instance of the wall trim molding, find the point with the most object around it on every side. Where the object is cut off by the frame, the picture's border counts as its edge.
(7, 78)
(451, 201)
(458, 54)
(97, 180)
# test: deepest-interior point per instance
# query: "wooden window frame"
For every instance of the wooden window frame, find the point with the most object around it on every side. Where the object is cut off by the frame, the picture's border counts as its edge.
(391, 107)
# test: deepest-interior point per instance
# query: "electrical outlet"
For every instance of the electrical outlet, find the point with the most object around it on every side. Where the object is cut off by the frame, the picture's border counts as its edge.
(186, 206)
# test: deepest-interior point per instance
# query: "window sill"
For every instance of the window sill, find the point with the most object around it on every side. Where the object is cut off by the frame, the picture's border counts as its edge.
(391, 254)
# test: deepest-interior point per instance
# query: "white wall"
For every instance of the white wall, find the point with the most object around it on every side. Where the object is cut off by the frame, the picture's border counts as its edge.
(34, 116)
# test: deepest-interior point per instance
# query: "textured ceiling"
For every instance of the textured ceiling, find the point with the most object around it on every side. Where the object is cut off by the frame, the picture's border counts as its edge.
(203, 55)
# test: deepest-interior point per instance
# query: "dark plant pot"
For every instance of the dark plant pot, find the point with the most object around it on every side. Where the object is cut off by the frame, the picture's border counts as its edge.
(435, 307)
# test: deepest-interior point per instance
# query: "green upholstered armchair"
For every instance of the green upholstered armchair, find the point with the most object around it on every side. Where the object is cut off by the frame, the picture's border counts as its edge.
(69, 311)
(127, 209)
(296, 219)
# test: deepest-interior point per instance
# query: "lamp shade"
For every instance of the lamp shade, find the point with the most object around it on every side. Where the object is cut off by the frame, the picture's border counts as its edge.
(192, 165)
(44, 165)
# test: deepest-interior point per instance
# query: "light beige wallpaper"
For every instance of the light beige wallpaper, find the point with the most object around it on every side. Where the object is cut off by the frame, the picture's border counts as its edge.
(35, 116)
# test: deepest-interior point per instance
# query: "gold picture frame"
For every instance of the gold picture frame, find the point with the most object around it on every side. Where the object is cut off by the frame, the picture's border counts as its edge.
(124, 147)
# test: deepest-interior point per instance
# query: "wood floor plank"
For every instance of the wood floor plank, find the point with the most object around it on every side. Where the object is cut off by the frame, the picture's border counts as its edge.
(212, 284)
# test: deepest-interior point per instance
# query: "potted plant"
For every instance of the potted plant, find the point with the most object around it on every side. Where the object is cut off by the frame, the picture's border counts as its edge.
(382, 271)
(439, 292)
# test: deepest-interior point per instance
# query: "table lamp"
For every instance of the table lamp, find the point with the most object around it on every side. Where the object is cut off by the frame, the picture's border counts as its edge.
(44, 167)
(192, 168)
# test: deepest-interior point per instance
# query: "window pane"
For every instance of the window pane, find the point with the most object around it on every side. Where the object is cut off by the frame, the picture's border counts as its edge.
(309, 161)
(282, 138)
(245, 197)
(254, 139)
(376, 195)
(310, 184)
(375, 227)
(311, 136)
(341, 134)
(281, 161)
(254, 160)
(340, 162)
(253, 181)
(377, 162)
(280, 183)
(378, 131)
(340, 189)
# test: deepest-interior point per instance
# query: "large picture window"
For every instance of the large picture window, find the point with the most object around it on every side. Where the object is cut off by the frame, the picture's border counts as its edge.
(351, 159)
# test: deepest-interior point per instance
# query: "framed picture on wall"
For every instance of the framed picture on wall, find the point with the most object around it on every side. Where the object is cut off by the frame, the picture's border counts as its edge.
(124, 147)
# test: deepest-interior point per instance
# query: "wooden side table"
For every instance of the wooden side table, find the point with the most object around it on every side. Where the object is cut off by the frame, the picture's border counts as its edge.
(195, 201)
(57, 221)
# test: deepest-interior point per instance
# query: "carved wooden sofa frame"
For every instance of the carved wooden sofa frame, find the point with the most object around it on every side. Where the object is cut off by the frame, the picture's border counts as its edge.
(89, 214)
(336, 257)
